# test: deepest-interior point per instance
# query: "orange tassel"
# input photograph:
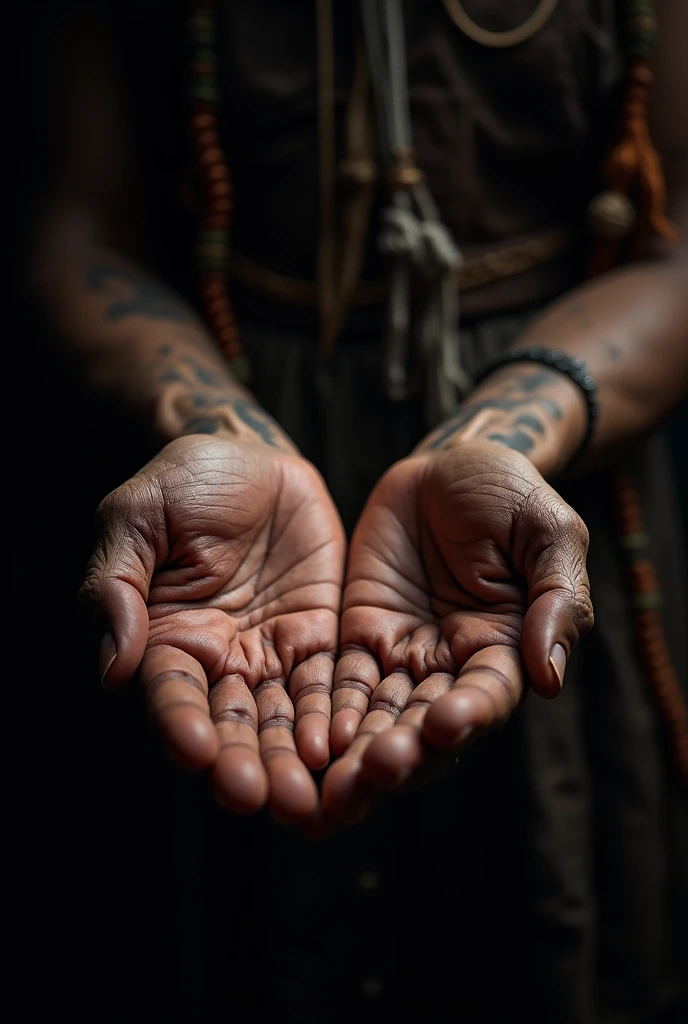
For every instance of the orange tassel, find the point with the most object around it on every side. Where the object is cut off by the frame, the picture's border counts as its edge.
(634, 163)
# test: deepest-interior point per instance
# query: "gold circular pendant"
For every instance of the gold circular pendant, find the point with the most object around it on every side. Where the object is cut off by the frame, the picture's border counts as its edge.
(511, 37)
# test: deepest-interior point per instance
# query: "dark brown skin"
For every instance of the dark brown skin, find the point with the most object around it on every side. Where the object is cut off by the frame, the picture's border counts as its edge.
(465, 570)
(218, 568)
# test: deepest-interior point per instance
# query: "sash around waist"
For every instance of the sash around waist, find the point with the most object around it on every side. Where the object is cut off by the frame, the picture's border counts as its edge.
(476, 270)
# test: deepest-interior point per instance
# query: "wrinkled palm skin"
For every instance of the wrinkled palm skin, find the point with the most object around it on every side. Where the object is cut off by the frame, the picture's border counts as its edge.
(219, 568)
(464, 570)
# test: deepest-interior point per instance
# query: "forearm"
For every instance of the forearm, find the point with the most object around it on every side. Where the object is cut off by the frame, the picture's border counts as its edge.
(631, 328)
(137, 343)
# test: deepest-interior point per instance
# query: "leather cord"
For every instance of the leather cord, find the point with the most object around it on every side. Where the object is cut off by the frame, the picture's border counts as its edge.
(413, 237)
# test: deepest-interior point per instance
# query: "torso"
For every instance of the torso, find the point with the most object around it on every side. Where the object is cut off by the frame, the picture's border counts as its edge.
(510, 140)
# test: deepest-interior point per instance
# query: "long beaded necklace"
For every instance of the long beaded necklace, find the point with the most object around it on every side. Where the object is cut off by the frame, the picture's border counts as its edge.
(632, 168)
(217, 197)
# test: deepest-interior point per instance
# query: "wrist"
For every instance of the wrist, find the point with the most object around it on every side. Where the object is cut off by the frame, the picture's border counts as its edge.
(531, 409)
(230, 415)
(194, 393)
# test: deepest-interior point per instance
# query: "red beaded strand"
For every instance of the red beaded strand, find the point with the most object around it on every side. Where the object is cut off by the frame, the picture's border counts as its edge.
(212, 249)
(662, 679)
(634, 168)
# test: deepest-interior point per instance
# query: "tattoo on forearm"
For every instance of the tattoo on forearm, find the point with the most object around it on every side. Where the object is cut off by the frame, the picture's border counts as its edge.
(513, 397)
(201, 425)
(517, 440)
(133, 294)
(253, 416)
(532, 422)
(208, 389)
(534, 381)
(214, 398)
(250, 413)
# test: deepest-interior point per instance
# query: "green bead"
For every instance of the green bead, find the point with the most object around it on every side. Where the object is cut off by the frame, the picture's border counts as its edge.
(641, 27)
(635, 541)
(204, 81)
(214, 236)
(201, 18)
(203, 37)
(205, 55)
(648, 601)
(207, 262)
(213, 252)
(207, 93)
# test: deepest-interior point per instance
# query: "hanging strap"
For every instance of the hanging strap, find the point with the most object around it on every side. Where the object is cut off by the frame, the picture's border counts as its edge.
(412, 235)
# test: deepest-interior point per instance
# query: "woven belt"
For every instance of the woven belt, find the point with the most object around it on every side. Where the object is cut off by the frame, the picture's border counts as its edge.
(475, 271)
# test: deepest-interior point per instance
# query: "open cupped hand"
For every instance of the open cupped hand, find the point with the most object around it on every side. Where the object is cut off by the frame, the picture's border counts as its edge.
(466, 583)
(218, 571)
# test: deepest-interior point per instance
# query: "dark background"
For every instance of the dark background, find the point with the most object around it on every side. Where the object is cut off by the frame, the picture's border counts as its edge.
(102, 873)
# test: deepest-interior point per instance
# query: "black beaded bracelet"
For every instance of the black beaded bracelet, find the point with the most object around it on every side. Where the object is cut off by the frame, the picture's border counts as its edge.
(574, 368)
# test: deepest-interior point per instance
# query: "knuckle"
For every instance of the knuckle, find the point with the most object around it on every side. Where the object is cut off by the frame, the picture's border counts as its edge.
(584, 615)
(508, 686)
(354, 684)
(276, 721)
(115, 504)
(274, 753)
(236, 715)
(556, 519)
(160, 679)
(390, 705)
(354, 668)
(90, 591)
(129, 510)
(311, 689)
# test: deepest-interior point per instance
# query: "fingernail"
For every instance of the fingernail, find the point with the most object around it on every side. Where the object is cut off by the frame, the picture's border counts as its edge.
(108, 653)
(557, 660)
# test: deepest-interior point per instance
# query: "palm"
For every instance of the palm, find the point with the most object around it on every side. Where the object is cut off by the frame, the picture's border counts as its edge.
(243, 607)
(434, 606)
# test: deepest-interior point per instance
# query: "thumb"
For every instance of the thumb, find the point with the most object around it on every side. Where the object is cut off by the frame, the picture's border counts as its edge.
(555, 544)
(117, 582)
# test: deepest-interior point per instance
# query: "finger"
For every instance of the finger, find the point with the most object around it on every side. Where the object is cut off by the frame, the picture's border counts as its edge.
(176, 692)
(560, 610)
(489, 688)
(393, 755)
(346, 797)
(346, 791)
(356, 675)
(293, 794)
(238, 775)
(310, 687)
(116, 587)
(123, 611)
